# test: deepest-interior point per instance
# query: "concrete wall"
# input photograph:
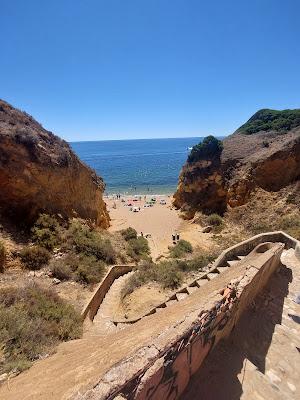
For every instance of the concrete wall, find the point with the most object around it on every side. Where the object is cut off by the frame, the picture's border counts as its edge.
(97, 297)
(248, 245)
(166, 375)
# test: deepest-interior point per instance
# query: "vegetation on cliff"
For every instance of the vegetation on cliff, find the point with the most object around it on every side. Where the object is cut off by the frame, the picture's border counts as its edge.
(32, 322)
(210, 147)
(271, 120)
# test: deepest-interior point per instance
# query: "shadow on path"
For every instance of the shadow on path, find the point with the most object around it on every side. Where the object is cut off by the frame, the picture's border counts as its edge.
(221, 375)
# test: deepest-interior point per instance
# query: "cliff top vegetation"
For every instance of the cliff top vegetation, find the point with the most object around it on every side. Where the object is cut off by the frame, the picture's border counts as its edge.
(208, 148)
(271, 120)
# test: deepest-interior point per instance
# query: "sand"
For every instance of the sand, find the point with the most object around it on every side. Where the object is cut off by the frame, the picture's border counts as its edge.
(159, 221)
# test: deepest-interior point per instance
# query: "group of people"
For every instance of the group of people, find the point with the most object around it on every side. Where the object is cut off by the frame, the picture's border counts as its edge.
(175, 237)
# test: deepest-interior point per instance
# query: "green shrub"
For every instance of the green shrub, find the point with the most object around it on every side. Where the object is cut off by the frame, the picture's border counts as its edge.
(182, 248)
(89, 270)
(61, 271)
(2, 256)
(129, 233)
(209, 148)
(32, 322)
(138, 248)
(271, 120)
(35, 257)
(91, 243)
(82, 268)
(197, 263)
(46, 231)
(214, 219)
(169, 274)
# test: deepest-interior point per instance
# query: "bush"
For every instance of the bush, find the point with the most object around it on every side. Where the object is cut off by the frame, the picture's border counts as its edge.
(214, 219)
(61, 271)
(82, 268)
(138, 248)
(35, 257)
(169, 274)
(91, 243)
(2, 256)
(197, 263)
(209, 148)
(46, 231)
(32, 322)
(182, 248)
(129, 233)
(89, 270)
(145, 273)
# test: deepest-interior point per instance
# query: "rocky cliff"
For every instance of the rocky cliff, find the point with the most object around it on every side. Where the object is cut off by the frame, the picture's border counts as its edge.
(40, 173)
(263, 153)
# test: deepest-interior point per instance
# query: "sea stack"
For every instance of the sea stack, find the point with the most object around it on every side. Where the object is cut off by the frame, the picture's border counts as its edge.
(40, 173)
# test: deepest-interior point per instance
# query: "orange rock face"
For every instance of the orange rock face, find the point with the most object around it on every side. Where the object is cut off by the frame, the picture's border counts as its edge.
(267, 160)
(40, 173)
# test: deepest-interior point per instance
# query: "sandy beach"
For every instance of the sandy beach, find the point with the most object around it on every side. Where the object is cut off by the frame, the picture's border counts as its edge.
(159, 221)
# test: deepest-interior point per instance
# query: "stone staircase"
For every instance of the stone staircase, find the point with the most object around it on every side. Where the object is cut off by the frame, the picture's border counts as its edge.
(260, 360)
(199, 280)
(102, 322)
(105, 322)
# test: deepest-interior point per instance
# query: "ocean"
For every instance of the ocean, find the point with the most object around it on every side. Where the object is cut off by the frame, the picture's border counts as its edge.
(137, 166)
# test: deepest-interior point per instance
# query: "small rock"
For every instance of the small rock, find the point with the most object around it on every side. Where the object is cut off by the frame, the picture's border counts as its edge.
(3, 377)
(291, 387)
(56, 281)
(207, 229)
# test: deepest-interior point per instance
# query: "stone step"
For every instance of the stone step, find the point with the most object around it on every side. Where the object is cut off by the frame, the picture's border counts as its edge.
(232, 263)
(181, 296)
(201, 282)
(222, 269)
(170, 302)
(212, 275)
(191, 289)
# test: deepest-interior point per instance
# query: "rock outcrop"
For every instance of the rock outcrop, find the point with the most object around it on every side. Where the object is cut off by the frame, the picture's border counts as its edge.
(40, 173)
(267, 159)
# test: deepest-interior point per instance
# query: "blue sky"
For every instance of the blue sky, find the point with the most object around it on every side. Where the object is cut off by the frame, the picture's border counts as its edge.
(93, 69)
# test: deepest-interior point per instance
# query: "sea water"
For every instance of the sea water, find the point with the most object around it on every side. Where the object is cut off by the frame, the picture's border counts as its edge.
(137, 166)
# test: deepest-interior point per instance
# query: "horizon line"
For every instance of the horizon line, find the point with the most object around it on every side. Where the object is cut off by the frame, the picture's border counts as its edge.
(150, 138)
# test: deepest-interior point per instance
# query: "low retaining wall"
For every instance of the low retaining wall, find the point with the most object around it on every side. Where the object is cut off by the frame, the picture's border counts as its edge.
(103, 287)
(162, 369)
(245, 247)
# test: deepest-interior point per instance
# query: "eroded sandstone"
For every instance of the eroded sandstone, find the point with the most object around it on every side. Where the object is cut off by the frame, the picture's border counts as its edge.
(40, 173)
